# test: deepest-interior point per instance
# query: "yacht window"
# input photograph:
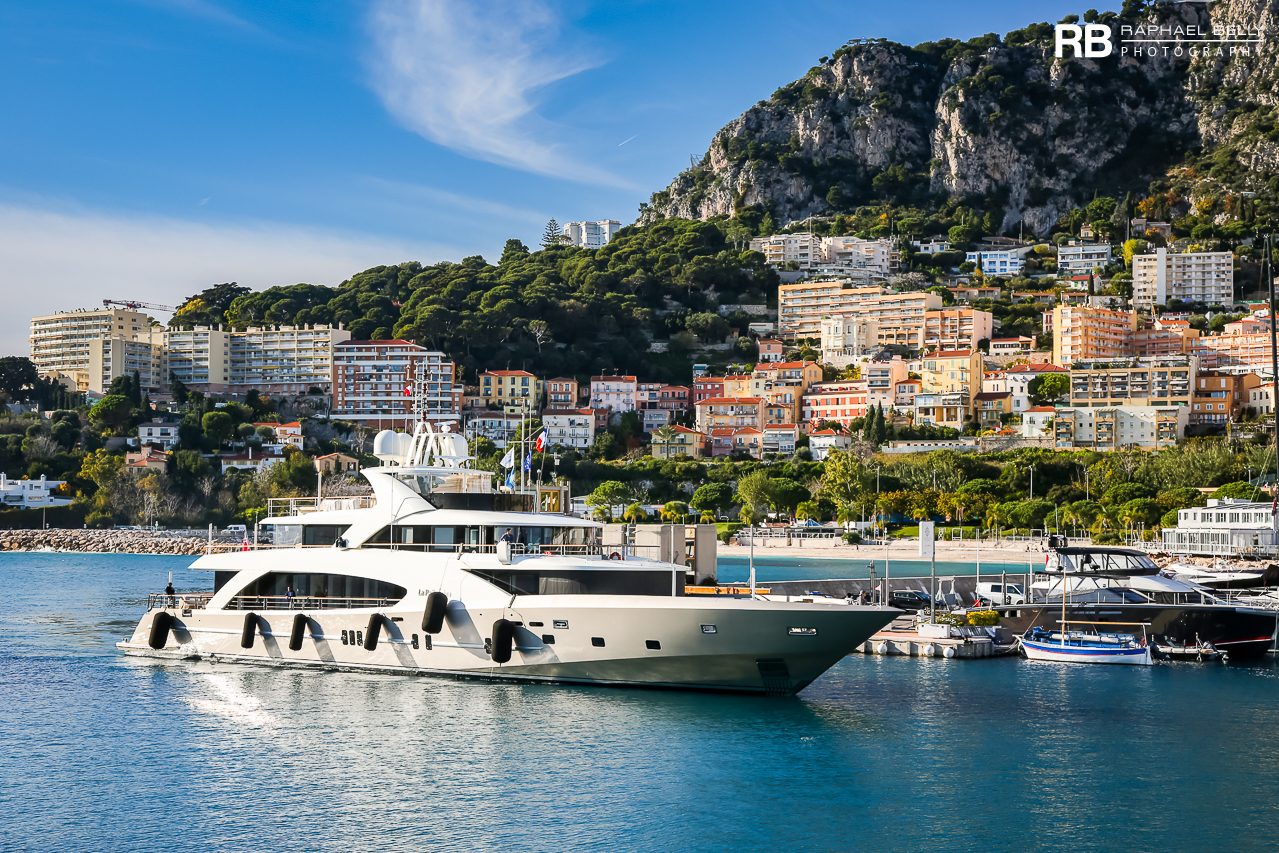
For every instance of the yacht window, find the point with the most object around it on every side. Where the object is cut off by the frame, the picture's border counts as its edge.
(653, 645)
(548, 639)
(583, 582)
(321, 534)
(597, 642)
(314, 590)
(284, 535)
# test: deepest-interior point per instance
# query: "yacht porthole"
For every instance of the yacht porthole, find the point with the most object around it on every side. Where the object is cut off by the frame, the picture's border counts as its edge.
(548, 639)
(653, 645)
(708, 629)
(345, 640)
(598, 642)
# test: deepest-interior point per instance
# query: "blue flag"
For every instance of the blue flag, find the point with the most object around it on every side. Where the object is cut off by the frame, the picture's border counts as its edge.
(510, 478)
(528, 462)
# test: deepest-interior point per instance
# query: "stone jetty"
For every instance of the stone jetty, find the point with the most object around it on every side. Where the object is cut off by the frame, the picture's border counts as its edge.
(106, 541)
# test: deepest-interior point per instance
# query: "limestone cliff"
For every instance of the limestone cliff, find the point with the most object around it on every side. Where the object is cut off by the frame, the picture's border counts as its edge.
(1000, 120)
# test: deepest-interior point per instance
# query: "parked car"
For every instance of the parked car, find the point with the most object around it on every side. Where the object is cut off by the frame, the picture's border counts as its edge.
(237, 529)
(908, 599)
(998, 593)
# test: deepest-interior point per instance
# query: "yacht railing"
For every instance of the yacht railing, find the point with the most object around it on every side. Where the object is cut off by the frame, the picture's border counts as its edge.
(179, 600)
(305, 602)
(301, 506)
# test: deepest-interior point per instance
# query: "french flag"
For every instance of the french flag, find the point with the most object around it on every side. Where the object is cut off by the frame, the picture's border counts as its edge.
(540, 445)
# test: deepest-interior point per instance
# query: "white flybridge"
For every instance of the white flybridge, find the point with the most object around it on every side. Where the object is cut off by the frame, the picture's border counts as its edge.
(444, 574)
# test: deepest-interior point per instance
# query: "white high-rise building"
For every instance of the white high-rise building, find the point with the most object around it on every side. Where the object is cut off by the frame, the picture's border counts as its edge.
(94, 346)
(272, 360)
(591, 235)
(1205, 277)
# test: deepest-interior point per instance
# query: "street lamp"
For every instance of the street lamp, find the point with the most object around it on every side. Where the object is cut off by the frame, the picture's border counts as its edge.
(1032, 481)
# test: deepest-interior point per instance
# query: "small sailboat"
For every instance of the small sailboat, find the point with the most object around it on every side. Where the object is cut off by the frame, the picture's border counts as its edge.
(1086, 646)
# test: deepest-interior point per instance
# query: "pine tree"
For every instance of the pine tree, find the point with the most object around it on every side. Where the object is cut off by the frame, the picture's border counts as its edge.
(552, 235)
(881, 427)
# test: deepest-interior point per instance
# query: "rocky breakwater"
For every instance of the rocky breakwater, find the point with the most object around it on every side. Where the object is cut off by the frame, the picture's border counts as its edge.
(102, 541)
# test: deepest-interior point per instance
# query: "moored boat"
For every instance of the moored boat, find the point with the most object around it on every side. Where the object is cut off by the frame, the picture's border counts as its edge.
(445, 575)
(1074, 646)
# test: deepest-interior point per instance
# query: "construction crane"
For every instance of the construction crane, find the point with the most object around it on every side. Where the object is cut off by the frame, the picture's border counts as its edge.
(134, 305)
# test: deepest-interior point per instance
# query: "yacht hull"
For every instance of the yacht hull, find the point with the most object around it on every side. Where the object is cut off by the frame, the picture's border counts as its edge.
(737, 645)
(1049, 651)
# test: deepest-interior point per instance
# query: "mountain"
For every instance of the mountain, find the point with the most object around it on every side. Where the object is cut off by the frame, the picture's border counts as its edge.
(1001, 125)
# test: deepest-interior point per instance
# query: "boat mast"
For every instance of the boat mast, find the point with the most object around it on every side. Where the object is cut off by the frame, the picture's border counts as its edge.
(1274, 386)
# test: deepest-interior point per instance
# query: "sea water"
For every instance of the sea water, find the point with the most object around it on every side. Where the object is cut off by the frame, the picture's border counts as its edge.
(103, 752)
(794, 565)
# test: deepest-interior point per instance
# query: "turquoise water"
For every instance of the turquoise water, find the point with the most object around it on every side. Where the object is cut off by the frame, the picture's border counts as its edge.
(792, 566)
(100, 752)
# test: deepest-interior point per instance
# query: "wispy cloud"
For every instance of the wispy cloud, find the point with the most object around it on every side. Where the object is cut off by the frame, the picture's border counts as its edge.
(456, 202)
(468, 77)
(205, 10)
(57, 258)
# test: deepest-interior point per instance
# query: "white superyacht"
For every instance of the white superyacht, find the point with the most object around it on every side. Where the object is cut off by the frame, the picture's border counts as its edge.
(441, 576)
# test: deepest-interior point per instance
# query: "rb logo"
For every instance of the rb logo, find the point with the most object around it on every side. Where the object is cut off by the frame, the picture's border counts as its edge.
(1091, 41)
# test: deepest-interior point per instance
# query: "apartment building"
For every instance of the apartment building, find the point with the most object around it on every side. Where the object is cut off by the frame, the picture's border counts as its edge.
(614, 393)
(111, 358)
(1011, 347)
(498, 427)
(881, 376)
(990, 408)
(706, 387)
(944, 410)
(1119, 427)
(746, 442)
(846, 340)
(1000, 262)
(517, 390)
(771, 349)
(1016, 381)
(561, 392)
(679, 441)
(1082, 333)
(780, 439)
(1215, 400)
(1244, 343)
(782, 386)
(200, 357)
(591, 234)
(1082, 258)
(822, 442)
(90, 347)
(651, 396)
(950, 371)
(573, 428)
(1151, 382)
(378, 383)
(899, 317)
(838, 402)
(1160, 277)
(730, 413)
(956, 328)
(269, 359)
(834, 255)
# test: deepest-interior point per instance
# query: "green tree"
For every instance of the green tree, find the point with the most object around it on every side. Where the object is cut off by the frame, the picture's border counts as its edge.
(1049, 388)
(18, 377)
(113, 412)
(218, 428)
(610, 495)
(754, 493)
(552, 235)
(712, 497)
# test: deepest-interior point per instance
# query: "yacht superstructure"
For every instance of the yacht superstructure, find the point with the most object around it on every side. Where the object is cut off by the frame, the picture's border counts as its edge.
(444, 574)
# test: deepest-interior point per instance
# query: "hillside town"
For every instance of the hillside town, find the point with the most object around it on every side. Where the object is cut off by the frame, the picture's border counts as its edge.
(1135, 353)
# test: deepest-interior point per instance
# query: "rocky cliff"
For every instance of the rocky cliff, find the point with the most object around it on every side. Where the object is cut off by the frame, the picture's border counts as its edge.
(1001, 121)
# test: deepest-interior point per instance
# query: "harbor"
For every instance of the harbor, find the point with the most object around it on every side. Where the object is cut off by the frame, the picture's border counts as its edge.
(417, 756)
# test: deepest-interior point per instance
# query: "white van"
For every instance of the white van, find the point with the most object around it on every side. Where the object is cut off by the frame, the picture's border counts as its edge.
(998, 593)
(237, 529)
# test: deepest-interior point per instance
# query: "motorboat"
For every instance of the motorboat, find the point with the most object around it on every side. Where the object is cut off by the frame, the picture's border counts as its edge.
(1086, 646)
(1217, 576)
(444, 574)
(1096, 584)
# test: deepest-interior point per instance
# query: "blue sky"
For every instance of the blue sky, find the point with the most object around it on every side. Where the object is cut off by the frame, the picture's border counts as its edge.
(154, 146)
